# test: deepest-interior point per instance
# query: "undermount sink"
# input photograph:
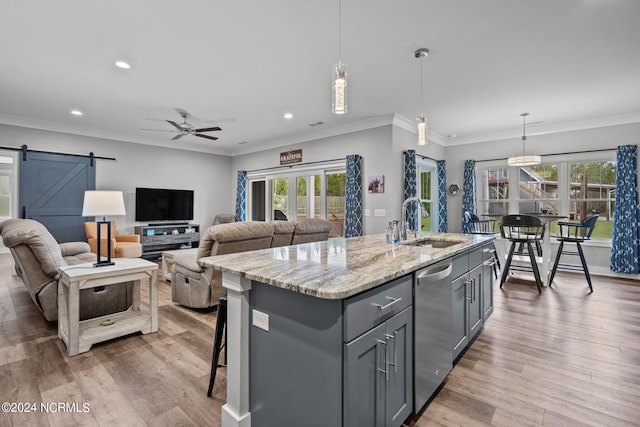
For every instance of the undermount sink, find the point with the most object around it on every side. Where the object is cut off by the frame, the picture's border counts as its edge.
(438, 244)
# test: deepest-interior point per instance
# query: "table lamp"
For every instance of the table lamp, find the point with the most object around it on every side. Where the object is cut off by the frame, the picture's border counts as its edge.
(103, 203)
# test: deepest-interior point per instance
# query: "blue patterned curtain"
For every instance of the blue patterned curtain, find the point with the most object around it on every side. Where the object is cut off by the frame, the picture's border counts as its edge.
(241, 196)
(353, 208)
(410, 183)
(625, 244)
(442, 196)
(468, 191)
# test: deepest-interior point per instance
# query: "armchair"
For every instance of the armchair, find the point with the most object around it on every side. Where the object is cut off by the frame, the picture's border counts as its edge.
(122, 245)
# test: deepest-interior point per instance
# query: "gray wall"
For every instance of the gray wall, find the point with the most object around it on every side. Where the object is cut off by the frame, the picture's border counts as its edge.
(140, 165)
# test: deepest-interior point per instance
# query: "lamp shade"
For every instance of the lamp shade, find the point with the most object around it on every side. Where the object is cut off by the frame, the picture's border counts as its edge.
(102, 203)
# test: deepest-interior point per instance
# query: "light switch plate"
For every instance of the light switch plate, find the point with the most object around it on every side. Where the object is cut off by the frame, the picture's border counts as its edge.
(260, 320)
(379, 212)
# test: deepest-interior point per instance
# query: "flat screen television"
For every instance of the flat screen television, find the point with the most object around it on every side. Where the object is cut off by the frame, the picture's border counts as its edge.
(159, 204)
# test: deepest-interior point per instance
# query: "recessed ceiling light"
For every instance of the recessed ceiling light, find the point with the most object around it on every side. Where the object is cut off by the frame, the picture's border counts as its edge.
(76, 112)
(288, 116)
(123, 65)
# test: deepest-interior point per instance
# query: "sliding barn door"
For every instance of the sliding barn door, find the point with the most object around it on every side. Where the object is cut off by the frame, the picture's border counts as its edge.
(51, 191)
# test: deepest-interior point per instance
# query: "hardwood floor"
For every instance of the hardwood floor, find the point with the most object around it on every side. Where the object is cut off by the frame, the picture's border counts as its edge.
(565, 357)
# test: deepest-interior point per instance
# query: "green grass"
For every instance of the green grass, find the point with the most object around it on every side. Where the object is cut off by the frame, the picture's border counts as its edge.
(603, 230)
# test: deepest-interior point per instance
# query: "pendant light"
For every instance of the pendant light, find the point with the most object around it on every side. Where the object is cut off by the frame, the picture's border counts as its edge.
(524, 160)
(339, 75)
(421, 120)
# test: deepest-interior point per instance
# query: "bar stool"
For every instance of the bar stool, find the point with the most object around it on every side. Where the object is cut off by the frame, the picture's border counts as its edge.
(523, 230)
(476, 225)
(221, 323)
(574, 232)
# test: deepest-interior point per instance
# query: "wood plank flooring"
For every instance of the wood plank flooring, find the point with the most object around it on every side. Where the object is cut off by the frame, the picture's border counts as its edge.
(563, 358)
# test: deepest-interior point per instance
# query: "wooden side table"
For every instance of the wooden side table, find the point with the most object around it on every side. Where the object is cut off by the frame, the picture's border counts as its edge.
(78, 335)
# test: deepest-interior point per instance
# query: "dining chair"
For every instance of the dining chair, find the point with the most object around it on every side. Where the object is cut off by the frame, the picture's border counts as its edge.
(476, 225)
(522, 231)
(574, 232)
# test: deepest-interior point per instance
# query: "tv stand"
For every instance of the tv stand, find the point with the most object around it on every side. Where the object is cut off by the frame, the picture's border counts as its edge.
(159, 224)
(156, 238)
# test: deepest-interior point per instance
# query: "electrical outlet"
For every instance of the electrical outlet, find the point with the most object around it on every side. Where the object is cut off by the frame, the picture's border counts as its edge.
(367, 212)
(260, 320)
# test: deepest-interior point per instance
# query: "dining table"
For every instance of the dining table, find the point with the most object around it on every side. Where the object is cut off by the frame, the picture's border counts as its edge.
(547, 219)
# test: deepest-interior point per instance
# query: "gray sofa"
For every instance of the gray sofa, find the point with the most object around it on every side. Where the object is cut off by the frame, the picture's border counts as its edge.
(197, 287)
(38, 255)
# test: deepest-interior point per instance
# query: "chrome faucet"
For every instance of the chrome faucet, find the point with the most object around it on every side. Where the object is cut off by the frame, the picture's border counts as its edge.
(423, 213)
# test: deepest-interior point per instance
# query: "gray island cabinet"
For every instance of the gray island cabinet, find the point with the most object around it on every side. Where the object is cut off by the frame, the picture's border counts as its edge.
(322, 334)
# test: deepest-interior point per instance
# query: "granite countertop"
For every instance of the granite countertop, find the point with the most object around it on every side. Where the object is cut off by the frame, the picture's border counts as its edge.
(339, 268)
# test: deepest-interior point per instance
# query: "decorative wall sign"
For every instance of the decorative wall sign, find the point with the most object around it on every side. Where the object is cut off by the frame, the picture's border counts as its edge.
(454, 189)
(291, 156)
(376, 184)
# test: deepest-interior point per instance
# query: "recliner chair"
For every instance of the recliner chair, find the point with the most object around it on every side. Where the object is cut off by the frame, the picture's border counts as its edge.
(38, 256)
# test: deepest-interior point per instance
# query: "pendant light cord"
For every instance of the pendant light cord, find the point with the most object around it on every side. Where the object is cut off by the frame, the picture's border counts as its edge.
(524, 135)
(421, 89)
(339, 31)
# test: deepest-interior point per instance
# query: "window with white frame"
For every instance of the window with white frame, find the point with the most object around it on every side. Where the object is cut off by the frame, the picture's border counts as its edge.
(492, 187)
(302, 193)
(428, 193)
(576, 186)
(538, 189)
(6, 187)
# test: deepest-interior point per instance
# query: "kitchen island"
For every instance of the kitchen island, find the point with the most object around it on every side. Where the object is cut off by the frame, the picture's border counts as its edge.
(307, 288)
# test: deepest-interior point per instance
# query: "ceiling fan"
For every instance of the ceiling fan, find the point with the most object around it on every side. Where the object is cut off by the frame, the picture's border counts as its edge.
(185, 128)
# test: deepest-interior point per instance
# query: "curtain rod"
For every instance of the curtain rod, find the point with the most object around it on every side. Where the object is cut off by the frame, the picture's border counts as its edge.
(555, 154)
(424, 157)
(297, 164)
(24, 149)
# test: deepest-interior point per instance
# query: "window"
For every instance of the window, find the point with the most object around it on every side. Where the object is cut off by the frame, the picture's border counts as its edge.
(577, 187)
(428, 193)
(592, 190)
(6, 187)
(319, 193)
(492, 191)
(538, 189)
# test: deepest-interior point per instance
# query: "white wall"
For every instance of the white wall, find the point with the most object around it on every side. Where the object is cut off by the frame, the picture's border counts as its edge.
(140, 165)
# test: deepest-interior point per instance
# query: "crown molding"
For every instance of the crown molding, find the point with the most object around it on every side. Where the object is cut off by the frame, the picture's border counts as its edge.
(547, 128)
(102, 134)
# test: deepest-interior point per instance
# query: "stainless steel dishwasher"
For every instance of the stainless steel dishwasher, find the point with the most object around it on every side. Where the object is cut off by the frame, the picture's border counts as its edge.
(432, 348)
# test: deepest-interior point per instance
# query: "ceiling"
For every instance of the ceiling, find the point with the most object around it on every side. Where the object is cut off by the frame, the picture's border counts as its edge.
(242, 64)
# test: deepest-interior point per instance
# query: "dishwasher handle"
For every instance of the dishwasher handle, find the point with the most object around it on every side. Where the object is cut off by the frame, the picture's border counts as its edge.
(436, 274)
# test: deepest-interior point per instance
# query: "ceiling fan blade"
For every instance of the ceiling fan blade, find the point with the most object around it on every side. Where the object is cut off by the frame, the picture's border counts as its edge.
(205, 136)
(178, 136)
(177, 126)
(208, 129)
(160, 130)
